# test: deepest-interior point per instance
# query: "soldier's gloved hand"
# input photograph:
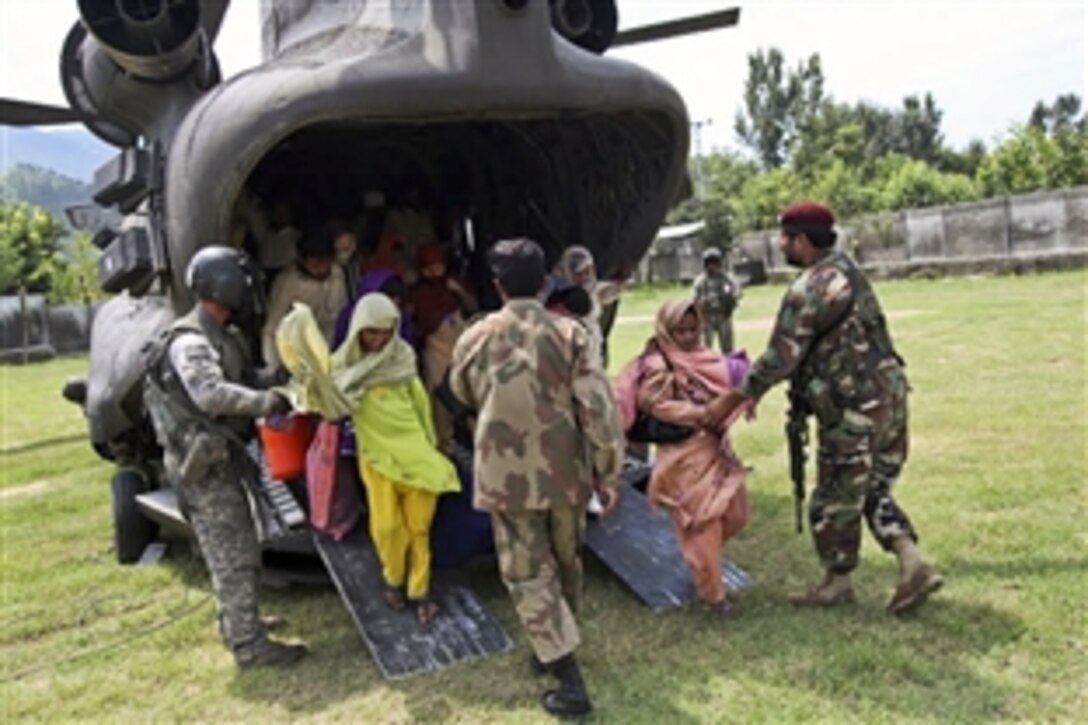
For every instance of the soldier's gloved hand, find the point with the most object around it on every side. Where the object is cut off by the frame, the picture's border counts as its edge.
(609, 496)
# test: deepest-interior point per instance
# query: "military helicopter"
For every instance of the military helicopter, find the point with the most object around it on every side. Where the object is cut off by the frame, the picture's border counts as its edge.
(507, 112)
(505, 109)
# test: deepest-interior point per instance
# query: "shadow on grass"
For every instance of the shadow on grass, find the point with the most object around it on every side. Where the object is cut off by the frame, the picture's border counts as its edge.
(682, 667)
(47, 443)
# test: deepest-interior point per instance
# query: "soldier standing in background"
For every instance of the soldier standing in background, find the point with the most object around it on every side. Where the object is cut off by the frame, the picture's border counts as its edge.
(717, 292)
(831, 337)
(202, 413)
(546, 429)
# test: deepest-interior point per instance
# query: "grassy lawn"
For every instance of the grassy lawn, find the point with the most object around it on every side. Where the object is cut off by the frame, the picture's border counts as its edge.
(995, 485)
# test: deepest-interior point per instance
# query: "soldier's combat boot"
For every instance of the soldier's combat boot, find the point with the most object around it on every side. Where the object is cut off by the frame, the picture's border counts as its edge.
(834, 590)
(917, 578)
(571, 698)
(266, 653)
(538, 668)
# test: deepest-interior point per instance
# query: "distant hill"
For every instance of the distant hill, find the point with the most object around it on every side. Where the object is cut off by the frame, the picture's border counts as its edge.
(74, 152)
(45, 188)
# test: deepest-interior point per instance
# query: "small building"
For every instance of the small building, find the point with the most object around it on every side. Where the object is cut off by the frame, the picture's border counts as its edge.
(676, 254)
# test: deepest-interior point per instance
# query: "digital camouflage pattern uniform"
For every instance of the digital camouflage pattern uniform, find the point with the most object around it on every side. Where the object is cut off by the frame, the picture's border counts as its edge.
(197, 409)
(717, 295)
(855, 384)
(546, 428)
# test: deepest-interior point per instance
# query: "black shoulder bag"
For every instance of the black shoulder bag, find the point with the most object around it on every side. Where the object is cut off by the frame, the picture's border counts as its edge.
(648, 428)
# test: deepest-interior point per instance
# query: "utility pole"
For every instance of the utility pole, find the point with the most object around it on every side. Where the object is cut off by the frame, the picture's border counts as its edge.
(697, 133)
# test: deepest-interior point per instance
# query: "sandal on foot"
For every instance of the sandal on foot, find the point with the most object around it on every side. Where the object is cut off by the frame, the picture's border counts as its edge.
(724, 608)
(426, 610)
(394, 597)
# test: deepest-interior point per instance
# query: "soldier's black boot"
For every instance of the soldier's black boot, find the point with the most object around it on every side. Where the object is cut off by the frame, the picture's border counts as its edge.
(266, 653)
(538, 668)
(571, 698)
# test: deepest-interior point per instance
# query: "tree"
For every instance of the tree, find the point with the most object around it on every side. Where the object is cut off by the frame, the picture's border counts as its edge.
(914, 184)
(77, 278)
(1058, 115)
(917, 129)
(777, 104)
(763, 198)
(33, 237)
(1030, 160)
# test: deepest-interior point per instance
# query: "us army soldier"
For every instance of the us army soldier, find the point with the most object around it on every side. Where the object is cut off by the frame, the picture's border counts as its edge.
(831, 336)
(202, 414)
(546, 428)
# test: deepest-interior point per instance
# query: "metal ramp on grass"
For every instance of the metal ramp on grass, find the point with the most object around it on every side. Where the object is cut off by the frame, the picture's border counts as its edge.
(401, 646)
(639, 546)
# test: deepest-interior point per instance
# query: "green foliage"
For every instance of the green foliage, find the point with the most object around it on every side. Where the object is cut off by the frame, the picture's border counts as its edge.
(763, 197)
(861, 159)
(777, 104)
(77, 278)
(915, 184)
(1062, 114)
(1031, 159)
(32, 238)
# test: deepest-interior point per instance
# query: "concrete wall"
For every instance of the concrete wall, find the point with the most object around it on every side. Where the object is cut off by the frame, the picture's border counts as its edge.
(1047, 222)
(53, 329)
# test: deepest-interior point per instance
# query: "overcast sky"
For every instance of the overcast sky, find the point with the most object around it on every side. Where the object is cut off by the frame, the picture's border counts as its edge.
(985, 61)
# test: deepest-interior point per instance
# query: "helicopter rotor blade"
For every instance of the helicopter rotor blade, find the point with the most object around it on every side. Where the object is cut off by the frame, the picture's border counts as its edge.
(24, 113)
(678, 27)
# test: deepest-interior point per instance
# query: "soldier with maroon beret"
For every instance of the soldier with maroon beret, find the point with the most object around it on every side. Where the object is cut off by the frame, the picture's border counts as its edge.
(832, 341)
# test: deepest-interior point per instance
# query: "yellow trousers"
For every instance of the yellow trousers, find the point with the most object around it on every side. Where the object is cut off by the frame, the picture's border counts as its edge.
(400, 527)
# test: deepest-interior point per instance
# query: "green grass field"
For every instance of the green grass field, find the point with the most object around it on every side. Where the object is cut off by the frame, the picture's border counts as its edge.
(995, 485)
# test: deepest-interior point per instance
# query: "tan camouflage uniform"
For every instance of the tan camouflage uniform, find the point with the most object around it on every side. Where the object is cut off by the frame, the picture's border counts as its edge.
(855, 383)
(546, 428)
(201, 380)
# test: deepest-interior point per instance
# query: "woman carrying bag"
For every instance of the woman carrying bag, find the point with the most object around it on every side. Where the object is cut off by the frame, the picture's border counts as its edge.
(698, 479)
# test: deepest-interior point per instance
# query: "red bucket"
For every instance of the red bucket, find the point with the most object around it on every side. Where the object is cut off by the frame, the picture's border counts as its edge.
(285, 446)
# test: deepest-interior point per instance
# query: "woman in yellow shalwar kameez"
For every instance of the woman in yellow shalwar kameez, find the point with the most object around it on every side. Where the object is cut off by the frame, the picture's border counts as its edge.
(402, 470)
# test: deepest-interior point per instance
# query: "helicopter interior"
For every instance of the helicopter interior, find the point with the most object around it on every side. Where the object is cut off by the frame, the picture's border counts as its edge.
(557, 180)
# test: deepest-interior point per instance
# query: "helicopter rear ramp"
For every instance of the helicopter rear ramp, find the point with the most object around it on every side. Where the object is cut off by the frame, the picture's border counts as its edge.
(402, 647)
(639, 546)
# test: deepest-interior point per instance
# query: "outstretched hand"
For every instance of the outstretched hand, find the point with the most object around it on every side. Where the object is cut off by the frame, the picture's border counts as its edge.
(609, 496)
(720, 409)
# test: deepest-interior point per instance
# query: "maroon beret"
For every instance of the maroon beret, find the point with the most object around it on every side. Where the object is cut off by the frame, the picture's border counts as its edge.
(807, 213)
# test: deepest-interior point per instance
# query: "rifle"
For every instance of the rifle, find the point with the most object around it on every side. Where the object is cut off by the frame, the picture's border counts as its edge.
(797, 439)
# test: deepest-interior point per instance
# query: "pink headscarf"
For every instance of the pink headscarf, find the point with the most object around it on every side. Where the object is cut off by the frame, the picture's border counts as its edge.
(705, 367)
(702, 364)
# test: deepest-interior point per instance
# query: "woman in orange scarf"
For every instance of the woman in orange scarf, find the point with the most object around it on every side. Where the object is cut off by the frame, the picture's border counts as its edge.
(700, 480)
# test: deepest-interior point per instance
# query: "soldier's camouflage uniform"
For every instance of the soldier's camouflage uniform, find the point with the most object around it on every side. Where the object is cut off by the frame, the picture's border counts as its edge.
(546, 427)
(856, 386)
(201, 413)
(717, 294)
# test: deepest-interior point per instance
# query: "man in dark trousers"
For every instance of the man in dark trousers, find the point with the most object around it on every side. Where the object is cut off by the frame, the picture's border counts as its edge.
(831, 339)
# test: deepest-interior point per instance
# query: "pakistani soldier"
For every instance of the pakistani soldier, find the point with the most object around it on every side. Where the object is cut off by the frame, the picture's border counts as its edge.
(831, 339)
(546, 429)
(203, 413)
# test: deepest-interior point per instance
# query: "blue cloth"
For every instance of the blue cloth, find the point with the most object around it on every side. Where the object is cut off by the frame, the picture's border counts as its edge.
(460, 533)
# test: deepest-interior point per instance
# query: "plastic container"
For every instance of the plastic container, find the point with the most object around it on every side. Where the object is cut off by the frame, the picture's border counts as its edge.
(285, 441)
